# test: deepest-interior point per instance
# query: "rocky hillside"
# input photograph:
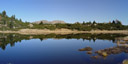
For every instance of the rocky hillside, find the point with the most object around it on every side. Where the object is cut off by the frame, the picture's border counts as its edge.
(50, 22)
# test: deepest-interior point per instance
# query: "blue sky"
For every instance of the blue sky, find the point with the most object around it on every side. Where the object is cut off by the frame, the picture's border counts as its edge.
(68, 10)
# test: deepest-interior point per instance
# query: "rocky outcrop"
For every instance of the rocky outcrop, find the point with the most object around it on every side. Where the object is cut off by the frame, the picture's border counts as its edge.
(114, 50)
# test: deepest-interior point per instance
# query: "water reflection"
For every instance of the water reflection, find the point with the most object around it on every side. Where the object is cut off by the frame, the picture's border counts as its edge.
(11, 39)
(59, 49)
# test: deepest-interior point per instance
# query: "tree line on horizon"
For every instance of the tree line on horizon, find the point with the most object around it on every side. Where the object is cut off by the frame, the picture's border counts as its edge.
(85, 26)
(12, 23)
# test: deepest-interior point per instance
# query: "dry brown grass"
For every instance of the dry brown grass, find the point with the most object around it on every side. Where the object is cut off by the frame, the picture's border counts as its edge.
(62, 31)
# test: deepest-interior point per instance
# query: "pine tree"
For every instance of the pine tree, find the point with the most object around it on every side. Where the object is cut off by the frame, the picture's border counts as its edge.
(12, 22)
(4, 22)
(4, 13)
(20, 20)
(113, 22)
(84, 23)
(118, 22)
(41, 23)
(94, 22)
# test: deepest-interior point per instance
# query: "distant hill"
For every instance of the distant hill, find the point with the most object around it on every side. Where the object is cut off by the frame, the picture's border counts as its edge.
(50, 22)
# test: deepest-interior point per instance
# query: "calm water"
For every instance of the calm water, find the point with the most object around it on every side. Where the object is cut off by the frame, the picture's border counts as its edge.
(58, 49)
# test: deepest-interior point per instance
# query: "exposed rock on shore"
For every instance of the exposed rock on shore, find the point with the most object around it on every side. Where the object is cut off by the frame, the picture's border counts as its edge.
(114, 50)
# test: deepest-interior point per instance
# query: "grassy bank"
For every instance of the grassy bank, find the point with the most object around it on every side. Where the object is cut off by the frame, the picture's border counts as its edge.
(63, 31)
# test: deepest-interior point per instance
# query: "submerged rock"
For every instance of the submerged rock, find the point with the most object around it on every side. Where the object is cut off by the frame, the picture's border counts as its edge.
(95, 57)
(99, 51)
(89, 52)
(86, 49)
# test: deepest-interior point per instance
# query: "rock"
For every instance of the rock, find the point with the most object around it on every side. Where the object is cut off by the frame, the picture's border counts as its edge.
(99, 51)
(116, 51)
(109, 52)
(83, 49)
(95, 57)
(89, 52)
(86, 49)
(125, 62)
(104, 54)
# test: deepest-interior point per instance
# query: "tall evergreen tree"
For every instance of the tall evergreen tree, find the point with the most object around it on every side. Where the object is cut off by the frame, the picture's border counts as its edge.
(118, 22)
(12, 22)
(4, 22)
(4, 13)
(84, 23)
(41, 23)
(113, 22)
(20, 20)
(94, 22)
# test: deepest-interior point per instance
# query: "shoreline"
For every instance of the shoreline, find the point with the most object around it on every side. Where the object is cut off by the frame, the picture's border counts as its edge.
(64, 31)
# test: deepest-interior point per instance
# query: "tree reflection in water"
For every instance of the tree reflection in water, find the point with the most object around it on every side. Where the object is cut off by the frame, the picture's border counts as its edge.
(11, 39)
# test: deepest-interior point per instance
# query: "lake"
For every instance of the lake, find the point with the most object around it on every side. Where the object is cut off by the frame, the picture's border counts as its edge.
(63, 49)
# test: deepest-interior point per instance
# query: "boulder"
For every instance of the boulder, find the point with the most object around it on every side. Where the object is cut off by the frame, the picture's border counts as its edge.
(95, 57)
(86, 49)
(89, 52)
(104, 54)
